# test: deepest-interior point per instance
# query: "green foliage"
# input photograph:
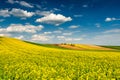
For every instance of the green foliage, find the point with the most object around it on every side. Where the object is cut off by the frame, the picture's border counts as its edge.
(23, 61)
(113, 47)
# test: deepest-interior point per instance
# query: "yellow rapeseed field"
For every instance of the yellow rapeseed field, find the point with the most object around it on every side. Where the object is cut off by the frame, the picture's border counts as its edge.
(23, 61)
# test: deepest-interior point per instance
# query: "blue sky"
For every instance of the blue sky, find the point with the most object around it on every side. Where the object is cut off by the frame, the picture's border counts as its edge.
(53, 21)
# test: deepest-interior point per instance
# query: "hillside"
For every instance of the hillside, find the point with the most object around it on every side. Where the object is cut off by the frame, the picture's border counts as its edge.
(16, 44)
(112, 47)
(83, 47)
(24, 61)
(74, 46)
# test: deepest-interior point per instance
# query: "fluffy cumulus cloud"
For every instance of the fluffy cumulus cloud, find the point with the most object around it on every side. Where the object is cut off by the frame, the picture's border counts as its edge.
(73, 26)
(111, 19)
(4, 13)
(16, 12)
(55, 19)
(19, 28)
(21, 13)
(22, 3)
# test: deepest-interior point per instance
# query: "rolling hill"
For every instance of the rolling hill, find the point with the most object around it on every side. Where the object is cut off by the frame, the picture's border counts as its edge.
(20, 60)
(75, 46)
(83, 47)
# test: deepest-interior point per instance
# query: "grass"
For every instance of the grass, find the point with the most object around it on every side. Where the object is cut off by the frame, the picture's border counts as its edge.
(23, 61)
(113, 47)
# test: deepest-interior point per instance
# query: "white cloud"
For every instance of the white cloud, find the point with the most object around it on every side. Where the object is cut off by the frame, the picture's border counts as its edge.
(39, 37)
(21, 13)
(55, 19)
(77, 39)
(61, 37)
(64, 38)
(16, 12)
(111, 19)
(25, 4)
(68, 39)
(74, 26)
(43, 13)
(4, 13)
(73, 39)
(107, 39)
(112, 31)
(57, 31)
(5, 34)
(103, 39)
(108, 19)
(47, 32)
(22, 3)
(22, 28)
(67, 34)
(2, 30)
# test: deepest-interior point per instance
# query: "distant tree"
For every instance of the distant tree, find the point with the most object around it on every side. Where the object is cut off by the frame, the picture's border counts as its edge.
(72, 44)
(65, 43)
(62, 43)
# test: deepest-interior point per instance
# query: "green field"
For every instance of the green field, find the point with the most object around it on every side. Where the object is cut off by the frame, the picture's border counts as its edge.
(113, 47)
(20, 60)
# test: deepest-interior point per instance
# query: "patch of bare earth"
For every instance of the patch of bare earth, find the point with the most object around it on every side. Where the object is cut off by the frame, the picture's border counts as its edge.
(70, 47)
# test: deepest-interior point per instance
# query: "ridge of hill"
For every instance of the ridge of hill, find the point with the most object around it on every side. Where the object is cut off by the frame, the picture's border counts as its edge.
(74, 46)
